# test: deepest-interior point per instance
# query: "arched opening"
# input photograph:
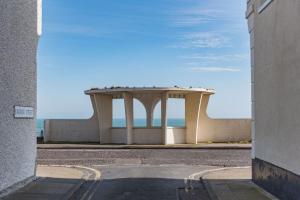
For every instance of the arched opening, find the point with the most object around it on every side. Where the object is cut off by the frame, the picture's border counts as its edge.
(176, 112)
(119, 120)
(139, 114)
(156, 122)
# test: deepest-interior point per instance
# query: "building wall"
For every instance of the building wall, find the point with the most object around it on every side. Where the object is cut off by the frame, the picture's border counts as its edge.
(212, 130)
(176, 135)
(276, 94)
(221, 130)
(73, 130)
(224, 130)
(68, 130)
(118, 135)
(147, 136)
(18, 45)
(277, 84)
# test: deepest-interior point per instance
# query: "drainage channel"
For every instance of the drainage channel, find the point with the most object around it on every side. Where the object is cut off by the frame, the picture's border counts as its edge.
(194, 190)
(89, 186)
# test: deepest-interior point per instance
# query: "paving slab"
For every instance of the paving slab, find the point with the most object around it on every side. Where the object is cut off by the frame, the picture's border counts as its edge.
(233, 184)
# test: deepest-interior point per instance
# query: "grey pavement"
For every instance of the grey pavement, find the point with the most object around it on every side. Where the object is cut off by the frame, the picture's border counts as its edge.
(148, 182)
(233, 184)
(55, 183)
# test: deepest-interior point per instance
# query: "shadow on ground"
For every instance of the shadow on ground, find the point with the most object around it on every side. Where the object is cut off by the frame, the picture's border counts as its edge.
(149, 189)
(138, 189)
(111, 189)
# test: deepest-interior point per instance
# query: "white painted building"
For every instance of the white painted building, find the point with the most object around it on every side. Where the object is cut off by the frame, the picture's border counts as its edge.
(275, 59)
(20, 27)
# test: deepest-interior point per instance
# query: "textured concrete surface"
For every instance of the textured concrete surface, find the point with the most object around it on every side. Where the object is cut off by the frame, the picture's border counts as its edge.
(233, 184)
(18, 45)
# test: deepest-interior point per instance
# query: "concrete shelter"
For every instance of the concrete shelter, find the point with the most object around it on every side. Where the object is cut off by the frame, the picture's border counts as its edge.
(149, 97)
(198, 126)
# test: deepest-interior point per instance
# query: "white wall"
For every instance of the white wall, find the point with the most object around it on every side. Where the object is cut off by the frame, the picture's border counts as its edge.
(277, 84)
(118, 135)
(147, 136)
(176, 135)
(18, 45)
(212, 130)
(76, 130)
(224, 130)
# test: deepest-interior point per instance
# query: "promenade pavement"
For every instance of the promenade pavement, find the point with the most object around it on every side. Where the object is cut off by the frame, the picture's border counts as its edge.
(232, 184)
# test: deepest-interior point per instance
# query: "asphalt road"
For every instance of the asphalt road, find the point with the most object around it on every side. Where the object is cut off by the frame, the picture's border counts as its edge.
(150, 182)
(147, 174)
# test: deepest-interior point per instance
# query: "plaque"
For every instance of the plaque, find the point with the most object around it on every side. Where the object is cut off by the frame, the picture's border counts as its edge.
(24, 112)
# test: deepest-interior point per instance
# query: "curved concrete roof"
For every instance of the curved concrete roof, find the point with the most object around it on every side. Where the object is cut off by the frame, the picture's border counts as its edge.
(113, 90)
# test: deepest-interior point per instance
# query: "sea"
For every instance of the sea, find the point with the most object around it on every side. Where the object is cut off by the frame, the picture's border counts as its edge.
(120, 123)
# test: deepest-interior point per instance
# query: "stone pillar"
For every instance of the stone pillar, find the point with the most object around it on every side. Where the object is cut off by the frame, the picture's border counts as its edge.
(128, 100)
(104, 114)
(164, 118)
(204, 120)
(192, 115)
(149, 117)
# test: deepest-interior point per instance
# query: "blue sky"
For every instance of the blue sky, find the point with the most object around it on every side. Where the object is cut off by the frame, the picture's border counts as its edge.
(98, 43)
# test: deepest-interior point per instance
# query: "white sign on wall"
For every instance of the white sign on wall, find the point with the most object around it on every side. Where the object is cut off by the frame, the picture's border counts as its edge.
(24, 112)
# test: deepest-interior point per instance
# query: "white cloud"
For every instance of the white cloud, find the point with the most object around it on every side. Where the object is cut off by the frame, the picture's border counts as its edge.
(191, 20)
(214, 58)
(214, 69)
(194, 16)
(82, 30)
(202, 40)
(197, 15)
